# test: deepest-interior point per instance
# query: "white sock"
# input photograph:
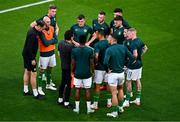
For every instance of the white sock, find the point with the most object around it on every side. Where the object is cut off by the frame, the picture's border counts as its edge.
(39, 88)
(138, 99)
(96, 104)
(26, 88)
(35, 92)
(60, 100)
(77, 104)
(66, 103)
(109, 101)
(88, 105)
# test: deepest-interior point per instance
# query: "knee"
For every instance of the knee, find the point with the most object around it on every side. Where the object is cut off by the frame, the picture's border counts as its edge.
(114, 92)
(41, 70)
(33, 74)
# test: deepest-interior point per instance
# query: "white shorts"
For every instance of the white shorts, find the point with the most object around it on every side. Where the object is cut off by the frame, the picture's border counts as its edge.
(134, 74)
(100, 76)
(45, 62)
(116, 79)
(85, 83)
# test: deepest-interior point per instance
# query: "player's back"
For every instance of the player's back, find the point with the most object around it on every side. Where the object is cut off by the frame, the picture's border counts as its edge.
(82, 57)
(100, 48)
(117, 57)
(32, 33)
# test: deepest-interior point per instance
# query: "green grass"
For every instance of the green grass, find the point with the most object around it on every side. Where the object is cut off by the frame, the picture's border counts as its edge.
(157, 22)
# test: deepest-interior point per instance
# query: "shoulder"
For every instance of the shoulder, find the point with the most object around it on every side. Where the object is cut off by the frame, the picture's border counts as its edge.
(106, 24)
(74, 26)
(94, 21)
(32, 31)
(61, 42)
(112, 21)
(87, 26)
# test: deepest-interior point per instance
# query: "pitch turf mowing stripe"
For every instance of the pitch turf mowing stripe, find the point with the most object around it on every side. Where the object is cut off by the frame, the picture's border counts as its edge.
(25, 6)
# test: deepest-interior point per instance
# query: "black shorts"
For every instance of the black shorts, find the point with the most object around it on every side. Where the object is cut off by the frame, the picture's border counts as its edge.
(28, 64)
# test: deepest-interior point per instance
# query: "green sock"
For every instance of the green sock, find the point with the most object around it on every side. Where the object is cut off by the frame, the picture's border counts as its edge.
(138, 94)
(128, 95)
(48, 74)
(121, 103)
(39, 78)
(133, 86)
(96, 97)
(115, 108)
(108, 95)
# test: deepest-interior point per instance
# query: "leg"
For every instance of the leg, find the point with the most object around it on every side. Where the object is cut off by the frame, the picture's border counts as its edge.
(121, 97)
(62, 86)
(129, 89)
(40, 82)
(68, 87)
(33, 83)
(49, 78)
(138, 93)
(115, 108)
(96, 96)
(88, 101)
(49, 69)
(109, 96)
(77, 100)
(26, 79)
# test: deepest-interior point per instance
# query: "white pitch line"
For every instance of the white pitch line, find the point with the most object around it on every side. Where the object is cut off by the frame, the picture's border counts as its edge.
(25, 6)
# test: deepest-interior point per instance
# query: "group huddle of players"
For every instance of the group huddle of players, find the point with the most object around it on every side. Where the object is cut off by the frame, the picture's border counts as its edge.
(109, 55)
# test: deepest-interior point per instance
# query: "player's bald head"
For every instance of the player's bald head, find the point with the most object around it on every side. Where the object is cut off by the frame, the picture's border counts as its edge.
(47, 20)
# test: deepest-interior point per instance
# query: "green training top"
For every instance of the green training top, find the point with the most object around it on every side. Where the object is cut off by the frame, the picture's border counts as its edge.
(82, 57)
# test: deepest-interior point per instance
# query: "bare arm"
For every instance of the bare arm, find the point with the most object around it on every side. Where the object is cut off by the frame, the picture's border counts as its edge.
(92, 65)
(96, 58)
(72, 65)
(145, 48)
(135, 53)
(57, 29)
(33, 24)
(92, 39)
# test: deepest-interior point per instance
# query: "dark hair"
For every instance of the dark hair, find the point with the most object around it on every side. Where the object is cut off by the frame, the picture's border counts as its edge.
(80, 17)
(118, 18)
(114, 36)
(102, 13)
(82, 39)
(40, 23)
(68, 34)
(118, 10)
(52, 7)
(101, 32)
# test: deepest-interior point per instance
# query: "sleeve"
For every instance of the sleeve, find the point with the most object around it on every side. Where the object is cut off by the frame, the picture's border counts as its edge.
(32, 40)
(92, 54)
(142, 44)
(93, 28)
(96, 48)
(126, 24)
(45, 42)
(134, 47)
(108, 30)
(90, 30)
(73, 54)
(72, 28)
(107, 58)
(129, 56)
(111, 24)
